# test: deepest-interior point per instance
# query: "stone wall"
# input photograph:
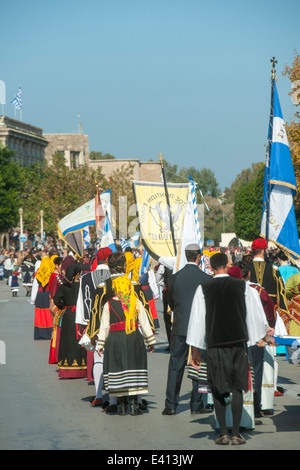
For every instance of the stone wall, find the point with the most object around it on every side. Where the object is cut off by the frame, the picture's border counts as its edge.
(75, 148)
(144, 171)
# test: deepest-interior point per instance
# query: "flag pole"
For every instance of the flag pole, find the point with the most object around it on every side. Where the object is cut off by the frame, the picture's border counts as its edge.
(269, 147)
(168, 202)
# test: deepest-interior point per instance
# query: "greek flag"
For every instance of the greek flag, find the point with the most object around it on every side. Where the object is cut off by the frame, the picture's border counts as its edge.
(280, 175)
(124, 244)
(107, 236)
(191, 227)
(17, 101)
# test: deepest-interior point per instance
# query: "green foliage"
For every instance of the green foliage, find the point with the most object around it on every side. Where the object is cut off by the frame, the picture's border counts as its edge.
(11, 182)
(205, 178)
(248, 207)
(100, 156)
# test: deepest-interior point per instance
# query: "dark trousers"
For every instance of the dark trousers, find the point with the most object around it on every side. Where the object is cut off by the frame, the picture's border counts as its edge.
(256, 356)
(178, 360)
(167, 317)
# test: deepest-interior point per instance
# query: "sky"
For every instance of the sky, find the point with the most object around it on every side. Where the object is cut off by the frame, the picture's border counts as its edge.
(189, 79)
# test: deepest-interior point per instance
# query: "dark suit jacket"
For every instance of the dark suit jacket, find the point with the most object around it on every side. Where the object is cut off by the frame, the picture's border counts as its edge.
(182, 287)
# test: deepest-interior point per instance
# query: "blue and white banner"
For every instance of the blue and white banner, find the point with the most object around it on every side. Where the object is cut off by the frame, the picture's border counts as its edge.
(145, 264)
(86, 237)
(17, 101)
(84, 215)
(107, 236)
(191, 232)
(283, 186)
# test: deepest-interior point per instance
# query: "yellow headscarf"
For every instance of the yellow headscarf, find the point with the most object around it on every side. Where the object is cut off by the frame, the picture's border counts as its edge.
(136, 269)
(124, 290)
(45, 270)
(129, 262)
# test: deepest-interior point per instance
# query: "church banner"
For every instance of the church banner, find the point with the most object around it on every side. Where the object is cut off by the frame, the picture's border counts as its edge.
(153, 214)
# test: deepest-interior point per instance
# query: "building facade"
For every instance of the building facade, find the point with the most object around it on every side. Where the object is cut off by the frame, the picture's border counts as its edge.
(74, 147)
(25, 140)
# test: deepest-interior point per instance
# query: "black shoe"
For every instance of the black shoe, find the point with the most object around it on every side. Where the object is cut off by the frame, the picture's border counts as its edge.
(123, 409)
(135, 410)
(201, 411)
(168, 412)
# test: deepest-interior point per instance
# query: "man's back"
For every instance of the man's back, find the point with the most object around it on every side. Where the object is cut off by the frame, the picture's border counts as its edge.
(182, 287)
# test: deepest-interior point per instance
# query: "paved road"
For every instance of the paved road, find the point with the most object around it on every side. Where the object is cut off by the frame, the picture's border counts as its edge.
(40, 412)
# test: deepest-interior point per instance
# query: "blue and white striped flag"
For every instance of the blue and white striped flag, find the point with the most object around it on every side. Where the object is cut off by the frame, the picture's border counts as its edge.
(124, 244)
(191, 232)
(17, 101)
(283, 186)
(107, 236)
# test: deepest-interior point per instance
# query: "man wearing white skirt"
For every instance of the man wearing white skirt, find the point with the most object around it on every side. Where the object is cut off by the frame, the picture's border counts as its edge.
(223, 321)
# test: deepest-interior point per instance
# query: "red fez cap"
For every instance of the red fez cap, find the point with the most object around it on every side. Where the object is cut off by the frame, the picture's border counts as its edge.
(103, 253)
(235, 271)
(259, 244)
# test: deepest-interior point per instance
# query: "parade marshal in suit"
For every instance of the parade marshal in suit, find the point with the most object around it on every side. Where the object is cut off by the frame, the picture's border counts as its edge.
(182, 286)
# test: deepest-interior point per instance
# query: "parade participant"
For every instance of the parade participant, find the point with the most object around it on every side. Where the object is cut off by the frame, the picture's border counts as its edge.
(55, 280)
(129, 261)
(27, 267)
(124, 330)
(181, 289)
(222, 322)
(162, 275)
(88, 285)
(292, 292)
(71, 356)
(258, 355)
(147, 287)
(285, 268)
(43, 324)
(266, 275)
(13, 282)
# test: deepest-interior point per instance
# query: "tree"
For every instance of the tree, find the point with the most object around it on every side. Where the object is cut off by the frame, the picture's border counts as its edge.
(205, 178)
(57, 190)
(11, 182)
(245, 176)
(100, 156)
(248, 207)
(293, 128)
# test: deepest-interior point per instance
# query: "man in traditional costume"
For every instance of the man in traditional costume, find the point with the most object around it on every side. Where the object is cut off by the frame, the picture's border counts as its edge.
(266, 275)
(222, 322)
(256, 353)
(181, 289)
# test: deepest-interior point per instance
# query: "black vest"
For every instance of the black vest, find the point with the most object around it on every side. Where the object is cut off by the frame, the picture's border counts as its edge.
(225, 311)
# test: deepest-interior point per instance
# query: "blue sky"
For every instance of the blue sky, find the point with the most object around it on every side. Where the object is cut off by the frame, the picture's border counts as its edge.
(187, 78)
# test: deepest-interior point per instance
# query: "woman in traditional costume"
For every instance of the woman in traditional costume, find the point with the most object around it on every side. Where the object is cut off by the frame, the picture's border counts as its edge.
(43, 324)
(55, 280)
(124, 330)
(71, 356)
(27, 267)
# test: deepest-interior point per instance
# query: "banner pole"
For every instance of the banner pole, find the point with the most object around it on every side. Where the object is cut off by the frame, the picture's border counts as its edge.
(168, 202)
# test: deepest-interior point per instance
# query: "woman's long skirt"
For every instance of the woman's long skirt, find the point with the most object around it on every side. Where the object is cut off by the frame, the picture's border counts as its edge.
(71, 355)
(43, 323)
(125, 364)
